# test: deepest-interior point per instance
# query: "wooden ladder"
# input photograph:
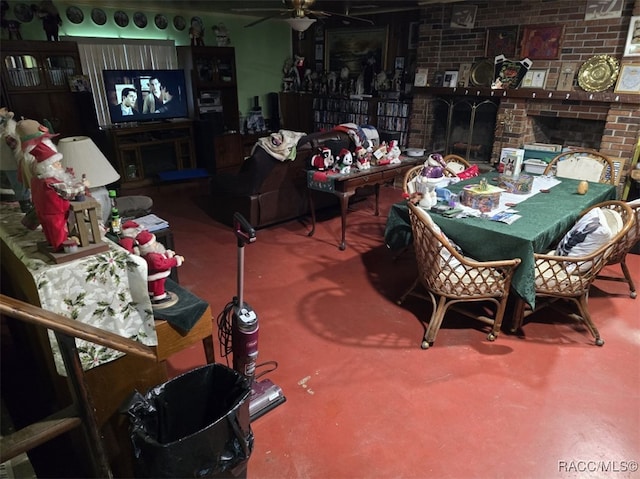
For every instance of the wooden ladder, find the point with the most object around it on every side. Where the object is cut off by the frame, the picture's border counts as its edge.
(81, 412)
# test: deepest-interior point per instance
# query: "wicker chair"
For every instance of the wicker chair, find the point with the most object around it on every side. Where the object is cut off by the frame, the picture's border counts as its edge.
(450, 278)
(622, 248)
(410, 175)
(455, 164)
(582, 164)
(569, 277)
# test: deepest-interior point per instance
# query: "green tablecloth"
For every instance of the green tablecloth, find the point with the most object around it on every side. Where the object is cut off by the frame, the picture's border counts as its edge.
(545, 218)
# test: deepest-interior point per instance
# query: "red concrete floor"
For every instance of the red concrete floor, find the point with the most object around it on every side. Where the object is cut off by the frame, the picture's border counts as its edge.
(364, 401)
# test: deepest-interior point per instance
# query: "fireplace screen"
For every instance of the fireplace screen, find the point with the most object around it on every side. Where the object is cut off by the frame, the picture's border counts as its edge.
(465, 127)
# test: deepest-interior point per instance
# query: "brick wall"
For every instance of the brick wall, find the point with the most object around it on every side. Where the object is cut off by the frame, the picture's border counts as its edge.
(444, 48)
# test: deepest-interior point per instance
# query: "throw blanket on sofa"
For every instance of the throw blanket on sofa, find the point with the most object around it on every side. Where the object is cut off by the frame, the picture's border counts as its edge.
(364, 135)
(281, 145)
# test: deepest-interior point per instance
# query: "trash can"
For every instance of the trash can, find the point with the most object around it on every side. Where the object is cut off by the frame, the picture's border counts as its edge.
(195, 425)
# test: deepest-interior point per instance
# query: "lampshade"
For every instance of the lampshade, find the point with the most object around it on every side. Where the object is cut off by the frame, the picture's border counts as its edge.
(82, 154)
(300, 24)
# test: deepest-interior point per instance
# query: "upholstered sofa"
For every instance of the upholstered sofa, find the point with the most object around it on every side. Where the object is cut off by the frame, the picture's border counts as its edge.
(268, 191)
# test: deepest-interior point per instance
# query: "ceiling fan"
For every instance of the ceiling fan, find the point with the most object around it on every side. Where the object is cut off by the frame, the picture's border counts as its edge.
(298, 14)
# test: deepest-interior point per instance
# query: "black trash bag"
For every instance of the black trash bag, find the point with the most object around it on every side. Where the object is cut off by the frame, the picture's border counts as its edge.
(195, 425)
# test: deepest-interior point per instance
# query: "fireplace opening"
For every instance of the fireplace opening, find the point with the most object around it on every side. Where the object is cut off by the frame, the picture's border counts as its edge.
(465, 127)
(575, 132)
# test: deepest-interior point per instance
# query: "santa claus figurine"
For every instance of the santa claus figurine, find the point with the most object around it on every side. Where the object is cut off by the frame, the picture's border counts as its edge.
(130, 229)
(51, 188)
(160, 261)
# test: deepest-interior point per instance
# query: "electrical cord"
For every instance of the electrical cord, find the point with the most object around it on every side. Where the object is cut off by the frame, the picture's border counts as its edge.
(225, 328)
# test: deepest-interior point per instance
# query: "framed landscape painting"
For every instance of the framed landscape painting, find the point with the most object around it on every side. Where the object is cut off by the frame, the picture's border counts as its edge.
(355, 48)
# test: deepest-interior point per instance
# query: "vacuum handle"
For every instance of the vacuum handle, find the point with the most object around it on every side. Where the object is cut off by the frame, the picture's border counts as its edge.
(243, 230)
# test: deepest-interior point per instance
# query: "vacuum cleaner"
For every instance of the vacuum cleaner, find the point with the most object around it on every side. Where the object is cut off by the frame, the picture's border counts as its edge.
(238, 334)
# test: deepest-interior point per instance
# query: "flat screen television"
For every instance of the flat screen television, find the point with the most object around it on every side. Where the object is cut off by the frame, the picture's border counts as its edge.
(145, 95)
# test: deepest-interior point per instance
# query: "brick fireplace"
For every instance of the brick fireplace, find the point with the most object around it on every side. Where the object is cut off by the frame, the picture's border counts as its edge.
(603, 121)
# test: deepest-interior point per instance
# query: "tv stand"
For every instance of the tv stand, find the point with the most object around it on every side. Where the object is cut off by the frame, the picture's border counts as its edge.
(144, 150)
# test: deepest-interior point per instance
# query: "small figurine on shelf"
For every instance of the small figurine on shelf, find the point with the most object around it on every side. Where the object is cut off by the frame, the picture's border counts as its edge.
(323, 160)
(196, 32)
(51, 20)
(160, 262)
(222, 35)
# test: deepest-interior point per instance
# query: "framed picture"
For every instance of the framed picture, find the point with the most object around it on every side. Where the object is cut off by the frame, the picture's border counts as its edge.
(629, 79)
(599, 9)
(450, 78)
(355, 48)
(463, 16)
(421, 78)
(566, 76)
(502, 40)
(399, 63)
(79, 83)
(632, 47)
(541, 42)
(414, 35)
(535, 78)
(464, 73)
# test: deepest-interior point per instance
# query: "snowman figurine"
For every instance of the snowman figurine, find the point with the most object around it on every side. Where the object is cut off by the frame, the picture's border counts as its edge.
(431, 175)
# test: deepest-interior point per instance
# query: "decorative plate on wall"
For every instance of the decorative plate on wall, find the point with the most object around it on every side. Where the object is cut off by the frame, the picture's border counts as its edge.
(121, 18)
(23, 12)
(75, 15)
(140, 19)
(179, 23)
(598, 73)
(482, 73)
(161, 21)
(98, 16)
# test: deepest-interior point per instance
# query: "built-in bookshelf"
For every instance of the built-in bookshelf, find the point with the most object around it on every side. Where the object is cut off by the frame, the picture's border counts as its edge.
(388, 116)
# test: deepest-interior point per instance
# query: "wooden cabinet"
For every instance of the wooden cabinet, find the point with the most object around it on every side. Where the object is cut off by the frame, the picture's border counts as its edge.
(150, 148)
(296, 111)
(35, 77)
(212, 90)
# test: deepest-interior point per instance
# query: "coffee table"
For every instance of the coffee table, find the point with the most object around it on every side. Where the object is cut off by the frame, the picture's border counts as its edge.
(344, 186)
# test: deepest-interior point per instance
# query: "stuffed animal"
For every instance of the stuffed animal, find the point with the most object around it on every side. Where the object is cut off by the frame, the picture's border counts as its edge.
(363, 161)
(379, 155)
(393, 153)
(196, 32)
(323, 160)
(345, 160)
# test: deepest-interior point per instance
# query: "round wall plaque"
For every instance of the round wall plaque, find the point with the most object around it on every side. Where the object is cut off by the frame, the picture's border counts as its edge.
(75, 15)
(598, 73)
(98, 16)
(161, 21)
(121, 18)
(140, 19)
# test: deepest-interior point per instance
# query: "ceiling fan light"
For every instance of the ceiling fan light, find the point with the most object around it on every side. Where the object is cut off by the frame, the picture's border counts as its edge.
(300, 24)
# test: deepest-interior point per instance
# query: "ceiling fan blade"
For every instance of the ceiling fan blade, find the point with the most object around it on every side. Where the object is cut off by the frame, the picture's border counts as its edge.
(336, 14)
(264, 19)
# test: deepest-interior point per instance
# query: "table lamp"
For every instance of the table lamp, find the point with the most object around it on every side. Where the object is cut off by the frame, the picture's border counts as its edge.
(82, 155)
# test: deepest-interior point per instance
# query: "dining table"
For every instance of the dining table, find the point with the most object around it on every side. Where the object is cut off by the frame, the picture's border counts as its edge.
(545, 213)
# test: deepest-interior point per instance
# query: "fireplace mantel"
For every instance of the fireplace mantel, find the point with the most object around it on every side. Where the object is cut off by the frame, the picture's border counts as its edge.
(532, 94)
